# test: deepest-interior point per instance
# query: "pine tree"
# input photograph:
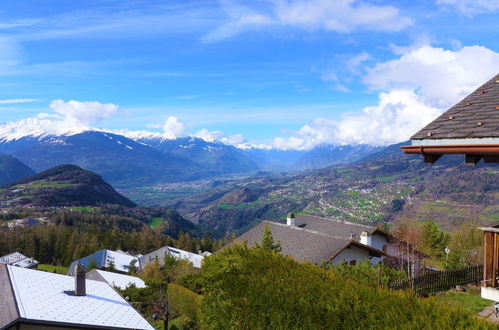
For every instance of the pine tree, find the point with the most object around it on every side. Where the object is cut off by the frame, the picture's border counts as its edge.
(268, 241)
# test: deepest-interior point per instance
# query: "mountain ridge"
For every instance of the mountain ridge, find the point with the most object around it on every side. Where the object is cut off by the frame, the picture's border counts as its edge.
(63, 185)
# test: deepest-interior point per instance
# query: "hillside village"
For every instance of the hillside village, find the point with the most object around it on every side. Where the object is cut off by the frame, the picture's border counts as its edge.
(230, 164)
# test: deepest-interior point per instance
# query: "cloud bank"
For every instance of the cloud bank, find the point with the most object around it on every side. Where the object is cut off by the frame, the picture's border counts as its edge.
(413, 90)
(342, 16)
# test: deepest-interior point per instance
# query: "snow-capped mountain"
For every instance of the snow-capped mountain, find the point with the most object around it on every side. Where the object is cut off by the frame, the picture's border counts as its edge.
(144, 158)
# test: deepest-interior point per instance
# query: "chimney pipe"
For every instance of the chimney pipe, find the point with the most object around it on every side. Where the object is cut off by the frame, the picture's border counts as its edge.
(290, 221)
(80, 289)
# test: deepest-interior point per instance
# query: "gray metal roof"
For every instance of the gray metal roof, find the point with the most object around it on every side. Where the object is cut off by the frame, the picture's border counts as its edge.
(160, 253)
(475, 117)
(302, 244)
(19, 260)
(44, 298)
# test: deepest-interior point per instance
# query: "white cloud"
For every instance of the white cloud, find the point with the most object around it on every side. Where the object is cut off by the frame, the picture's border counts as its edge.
(310, 15)
(442, 77)
(79, 114)
(173, 128)
(416, 88)
(67, 118)
(398, 115)
(212, 136)
(14, 101)
(471, 7)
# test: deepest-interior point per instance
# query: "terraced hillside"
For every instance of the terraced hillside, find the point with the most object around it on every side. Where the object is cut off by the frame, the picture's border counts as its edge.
(387, 187)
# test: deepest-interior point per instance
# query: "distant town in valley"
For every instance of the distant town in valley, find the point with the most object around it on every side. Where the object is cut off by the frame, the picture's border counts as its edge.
(230, 164)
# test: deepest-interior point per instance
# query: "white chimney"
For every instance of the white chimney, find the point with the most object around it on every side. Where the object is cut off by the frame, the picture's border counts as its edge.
(290, 221)
(365, 238)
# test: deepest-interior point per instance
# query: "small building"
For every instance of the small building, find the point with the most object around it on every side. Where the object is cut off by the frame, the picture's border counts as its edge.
(104, 258)
(315, 240)
(19, 260)
(32, 299)
(160, 254)
(119, 281)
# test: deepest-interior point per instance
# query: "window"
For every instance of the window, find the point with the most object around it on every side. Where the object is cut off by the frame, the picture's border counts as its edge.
(353, 262)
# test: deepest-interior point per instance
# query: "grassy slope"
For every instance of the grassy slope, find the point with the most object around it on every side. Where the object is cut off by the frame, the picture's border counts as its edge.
(469, 301)
(53, 269)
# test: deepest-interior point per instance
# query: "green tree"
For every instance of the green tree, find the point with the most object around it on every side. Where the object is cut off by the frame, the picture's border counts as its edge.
(92, 264)
(111, 266)
(465, 247)
(268, 241)
(434, 239)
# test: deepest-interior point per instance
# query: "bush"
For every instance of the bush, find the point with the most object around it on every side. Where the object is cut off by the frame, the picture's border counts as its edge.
(185, 302)
(365, 273)
(254, 289)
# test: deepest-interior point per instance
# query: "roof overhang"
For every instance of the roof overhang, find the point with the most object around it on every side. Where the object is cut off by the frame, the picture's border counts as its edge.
(372, 251)
(473, 152)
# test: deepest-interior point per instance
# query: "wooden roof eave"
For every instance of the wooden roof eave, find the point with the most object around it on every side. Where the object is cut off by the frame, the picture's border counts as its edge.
(376, 252)
(473, 152)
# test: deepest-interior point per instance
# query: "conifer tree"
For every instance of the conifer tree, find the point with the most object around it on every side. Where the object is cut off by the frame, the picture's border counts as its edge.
(268, 241)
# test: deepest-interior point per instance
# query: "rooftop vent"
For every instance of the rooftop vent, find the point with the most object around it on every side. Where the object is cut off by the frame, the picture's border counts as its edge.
(80, 288)
(290, 221)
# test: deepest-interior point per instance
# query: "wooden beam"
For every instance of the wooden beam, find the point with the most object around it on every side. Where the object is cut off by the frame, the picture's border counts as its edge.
(488, 258)
(472, 160)
(491, 159)
(431, 158)
(495, 260)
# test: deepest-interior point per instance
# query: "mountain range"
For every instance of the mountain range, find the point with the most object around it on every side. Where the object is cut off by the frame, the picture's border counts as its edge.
(127, 160)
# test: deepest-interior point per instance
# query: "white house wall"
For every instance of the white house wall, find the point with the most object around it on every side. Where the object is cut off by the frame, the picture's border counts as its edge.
(352, 253)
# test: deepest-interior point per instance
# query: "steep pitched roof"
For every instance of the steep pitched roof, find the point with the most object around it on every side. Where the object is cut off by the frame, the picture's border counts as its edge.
(159, 254)
(476, 116)
(302, 244)
(103, 259)
(44, 298)
(471, 127)
(116, 280)
(19, 260)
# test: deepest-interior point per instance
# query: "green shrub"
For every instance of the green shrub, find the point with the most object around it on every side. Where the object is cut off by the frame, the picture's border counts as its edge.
(254, 289)
(185, 302)
(365, 273)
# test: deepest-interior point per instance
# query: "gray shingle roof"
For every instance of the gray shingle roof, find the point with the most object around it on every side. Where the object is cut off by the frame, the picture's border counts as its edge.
(343, 229)
(303, 244)
(476, 116)
(8, 310)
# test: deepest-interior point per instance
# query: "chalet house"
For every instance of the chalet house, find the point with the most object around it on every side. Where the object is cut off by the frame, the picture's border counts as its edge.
(119, 281)
(471, 128)
(319, 240)
(160, 254)
(19, 260)
(31, 299)
(104, 258)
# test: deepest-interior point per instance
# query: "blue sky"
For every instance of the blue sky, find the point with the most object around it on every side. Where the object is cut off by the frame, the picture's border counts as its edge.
(291, 74)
